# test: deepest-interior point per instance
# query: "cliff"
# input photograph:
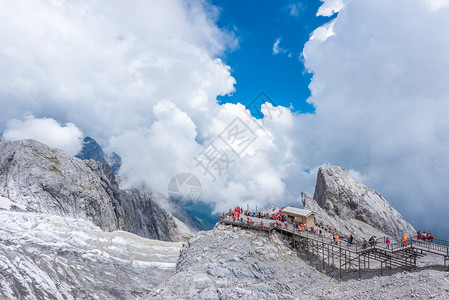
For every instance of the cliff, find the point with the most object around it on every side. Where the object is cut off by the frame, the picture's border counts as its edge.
(351, 207)
(37, 178)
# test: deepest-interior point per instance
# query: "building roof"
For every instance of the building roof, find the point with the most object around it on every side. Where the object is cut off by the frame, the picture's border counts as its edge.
(297, 211)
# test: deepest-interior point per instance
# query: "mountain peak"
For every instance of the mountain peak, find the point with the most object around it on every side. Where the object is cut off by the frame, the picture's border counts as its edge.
(92, 150)
(351, 206)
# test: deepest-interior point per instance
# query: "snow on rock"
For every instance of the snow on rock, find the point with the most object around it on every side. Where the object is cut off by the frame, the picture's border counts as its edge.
(233, 263)
(37, 178)
(53, 257)
(352, 207)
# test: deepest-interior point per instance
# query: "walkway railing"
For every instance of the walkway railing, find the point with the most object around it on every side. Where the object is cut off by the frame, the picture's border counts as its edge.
(438, 246)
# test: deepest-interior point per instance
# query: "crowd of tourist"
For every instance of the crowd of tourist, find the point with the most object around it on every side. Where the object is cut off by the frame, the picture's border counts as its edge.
(425, 236)
(281, 220)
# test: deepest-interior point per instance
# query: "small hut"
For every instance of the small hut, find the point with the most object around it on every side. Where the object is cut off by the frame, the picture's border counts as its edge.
(299, 215)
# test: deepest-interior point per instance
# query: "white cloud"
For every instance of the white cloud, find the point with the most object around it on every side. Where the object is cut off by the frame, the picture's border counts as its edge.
(276, 48)
(437, 4)
(330, 7)
(324, 32)
(105, 67)
(45, 130)
(295, 8)
(380, 96)
(143, 79)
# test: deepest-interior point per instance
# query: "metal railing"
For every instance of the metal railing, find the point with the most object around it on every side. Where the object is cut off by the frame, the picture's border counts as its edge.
(439, 245)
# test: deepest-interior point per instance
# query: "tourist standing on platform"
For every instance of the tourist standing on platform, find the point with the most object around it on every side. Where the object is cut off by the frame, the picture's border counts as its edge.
(404, 240)
(429, 237)
(423, 236)
(419, 235)
(388, 243)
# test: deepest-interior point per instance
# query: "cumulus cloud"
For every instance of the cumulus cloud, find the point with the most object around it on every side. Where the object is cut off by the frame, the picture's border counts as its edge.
(146, 88)
(330, 7)
(86, 63)
(380, 99)
(46, 130)
(278, 49)
(437, 4)
(324, 32)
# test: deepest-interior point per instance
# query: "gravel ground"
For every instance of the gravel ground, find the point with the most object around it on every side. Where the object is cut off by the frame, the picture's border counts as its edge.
(228, 263)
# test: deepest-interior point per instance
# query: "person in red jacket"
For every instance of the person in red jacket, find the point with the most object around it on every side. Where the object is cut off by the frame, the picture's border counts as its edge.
(419, 235)
(429, 237)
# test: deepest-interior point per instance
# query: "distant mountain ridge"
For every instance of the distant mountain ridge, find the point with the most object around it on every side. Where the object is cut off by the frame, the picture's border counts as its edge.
(92, 150)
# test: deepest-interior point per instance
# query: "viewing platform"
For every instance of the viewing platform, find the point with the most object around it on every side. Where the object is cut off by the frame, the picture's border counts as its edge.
(342, 255)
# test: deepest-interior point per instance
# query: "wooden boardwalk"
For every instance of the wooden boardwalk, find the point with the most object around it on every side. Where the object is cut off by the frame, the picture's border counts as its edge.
(355, 257)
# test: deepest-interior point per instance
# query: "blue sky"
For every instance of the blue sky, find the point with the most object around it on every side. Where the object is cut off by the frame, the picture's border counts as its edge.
(258, 25)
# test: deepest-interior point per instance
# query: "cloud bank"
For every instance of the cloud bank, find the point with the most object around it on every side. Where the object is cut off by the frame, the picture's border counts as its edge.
(380, 92)
(143, 80)
(48, 131)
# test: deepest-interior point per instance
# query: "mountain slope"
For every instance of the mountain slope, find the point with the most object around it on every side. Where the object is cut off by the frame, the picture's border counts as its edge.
(234, 263)
(37, 178)
(352, 207)
(52, 257)
(92, 150)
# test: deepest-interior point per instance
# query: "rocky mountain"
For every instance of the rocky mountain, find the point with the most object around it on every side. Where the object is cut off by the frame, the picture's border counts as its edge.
(92, 150)
(37, 178)
(234, 263)
(67, 231)
(45, 256)
(351, 207)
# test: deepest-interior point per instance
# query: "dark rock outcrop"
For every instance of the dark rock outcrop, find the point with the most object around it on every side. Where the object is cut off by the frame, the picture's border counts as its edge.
(92, 150)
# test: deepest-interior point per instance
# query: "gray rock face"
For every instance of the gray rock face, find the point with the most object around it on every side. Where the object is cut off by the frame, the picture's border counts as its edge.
(37, 178)
(231, 263)
(341, 197)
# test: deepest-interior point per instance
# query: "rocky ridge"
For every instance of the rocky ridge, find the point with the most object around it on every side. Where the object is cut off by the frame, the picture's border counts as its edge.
(37, 178)
(92, 150)
(351, 207)
(234, 263)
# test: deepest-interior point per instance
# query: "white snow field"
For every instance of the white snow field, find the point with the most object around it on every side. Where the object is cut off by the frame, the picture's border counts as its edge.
(53, 257)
